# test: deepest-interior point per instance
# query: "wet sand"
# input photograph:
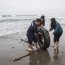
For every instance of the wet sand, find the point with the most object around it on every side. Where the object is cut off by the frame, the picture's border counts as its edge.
(12, 47)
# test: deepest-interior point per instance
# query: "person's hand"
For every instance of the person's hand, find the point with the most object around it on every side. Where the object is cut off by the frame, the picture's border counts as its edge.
(52, 33)
(39, 33)
(41, 25)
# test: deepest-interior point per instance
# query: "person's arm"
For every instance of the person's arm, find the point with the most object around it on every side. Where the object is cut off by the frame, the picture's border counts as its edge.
(51, 29)
(34, 26)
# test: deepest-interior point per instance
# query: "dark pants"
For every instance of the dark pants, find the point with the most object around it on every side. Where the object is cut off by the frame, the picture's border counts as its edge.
(57, 36)
(32, 38)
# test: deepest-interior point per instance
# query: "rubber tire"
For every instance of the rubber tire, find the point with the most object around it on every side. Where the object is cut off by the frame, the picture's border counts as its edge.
(44, 39)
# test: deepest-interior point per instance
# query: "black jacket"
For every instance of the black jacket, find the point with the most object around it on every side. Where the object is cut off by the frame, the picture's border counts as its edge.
(32, 28)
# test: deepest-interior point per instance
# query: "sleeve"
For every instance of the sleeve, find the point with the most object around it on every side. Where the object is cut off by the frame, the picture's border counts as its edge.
(34, 26)
(56, 29)
(51, 29)
(35, 29)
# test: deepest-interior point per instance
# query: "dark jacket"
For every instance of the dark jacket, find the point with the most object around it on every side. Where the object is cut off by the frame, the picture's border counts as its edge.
(32, 29)
(57, 27)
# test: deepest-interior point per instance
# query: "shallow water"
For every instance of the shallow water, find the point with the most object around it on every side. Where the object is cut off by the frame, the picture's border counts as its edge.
(12, 47)
(9, 26)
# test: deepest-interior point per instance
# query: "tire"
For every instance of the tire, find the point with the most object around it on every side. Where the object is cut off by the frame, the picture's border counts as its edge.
(43, 39)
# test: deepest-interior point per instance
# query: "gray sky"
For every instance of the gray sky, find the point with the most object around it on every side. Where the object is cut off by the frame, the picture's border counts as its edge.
(47, 7)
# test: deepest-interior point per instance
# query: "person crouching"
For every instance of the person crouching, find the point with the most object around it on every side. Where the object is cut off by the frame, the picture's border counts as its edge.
(32, 32)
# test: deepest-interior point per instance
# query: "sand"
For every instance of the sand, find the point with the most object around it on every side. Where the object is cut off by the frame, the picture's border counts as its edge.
(12, 47)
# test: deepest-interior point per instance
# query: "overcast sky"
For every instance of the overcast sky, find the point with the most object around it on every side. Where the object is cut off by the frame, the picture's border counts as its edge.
(47, 7)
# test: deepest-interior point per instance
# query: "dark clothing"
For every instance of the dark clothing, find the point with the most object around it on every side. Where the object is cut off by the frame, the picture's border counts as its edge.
(57, 27)
(58, 30)
(32, 29)
(53, 25)
(32, 38)
(31, 33)
(57, 36)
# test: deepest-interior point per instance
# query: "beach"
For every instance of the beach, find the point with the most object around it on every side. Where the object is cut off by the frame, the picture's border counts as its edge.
(12, 47)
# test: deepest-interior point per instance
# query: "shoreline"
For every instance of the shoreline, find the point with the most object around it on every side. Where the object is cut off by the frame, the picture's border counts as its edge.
(12, 47)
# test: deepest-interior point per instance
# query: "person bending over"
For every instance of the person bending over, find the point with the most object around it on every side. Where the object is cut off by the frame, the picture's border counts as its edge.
(57, 31)
(32, 32)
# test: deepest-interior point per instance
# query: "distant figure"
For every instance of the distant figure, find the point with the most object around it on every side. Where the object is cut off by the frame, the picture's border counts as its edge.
(57, 33)
(43, 20)
(31, 33)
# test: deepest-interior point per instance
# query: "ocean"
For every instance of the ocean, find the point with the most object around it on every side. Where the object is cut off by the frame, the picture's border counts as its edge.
(20, 24)
(13, 29)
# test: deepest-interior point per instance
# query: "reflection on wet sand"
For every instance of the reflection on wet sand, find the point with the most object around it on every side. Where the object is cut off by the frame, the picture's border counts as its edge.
(56, 57)
(50, 57)
(39, 58)
(56, 51)
(56, 54)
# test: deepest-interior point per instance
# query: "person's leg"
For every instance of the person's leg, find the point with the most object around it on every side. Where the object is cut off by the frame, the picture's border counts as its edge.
(58, 37)
(35, 42)
(55, 41)
(57, 44)
(30, 43)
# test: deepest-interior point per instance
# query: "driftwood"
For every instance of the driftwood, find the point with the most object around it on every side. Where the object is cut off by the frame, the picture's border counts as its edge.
(21, 57)
(24, 40)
